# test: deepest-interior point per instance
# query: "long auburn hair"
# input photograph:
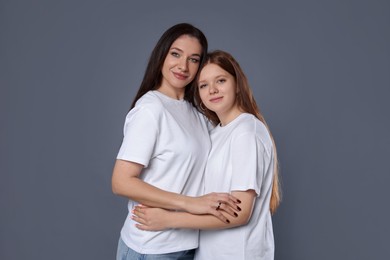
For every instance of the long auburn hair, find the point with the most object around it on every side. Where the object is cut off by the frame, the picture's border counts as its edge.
(247, 103)
(153, 75)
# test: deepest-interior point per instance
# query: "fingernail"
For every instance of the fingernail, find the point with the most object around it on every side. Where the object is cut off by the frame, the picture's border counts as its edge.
(239, 209)
(239, 201)
(235, 214)
(228, 221)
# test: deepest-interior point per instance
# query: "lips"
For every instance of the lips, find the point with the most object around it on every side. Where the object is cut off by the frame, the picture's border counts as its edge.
(216, 99)
(180, 76)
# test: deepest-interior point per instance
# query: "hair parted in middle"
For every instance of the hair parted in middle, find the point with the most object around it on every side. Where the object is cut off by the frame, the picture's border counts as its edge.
(153, 75)
(246, 102)
(245, 99)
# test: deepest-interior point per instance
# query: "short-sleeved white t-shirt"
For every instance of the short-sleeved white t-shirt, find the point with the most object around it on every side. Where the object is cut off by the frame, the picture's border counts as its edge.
(241, 158)
(170, 138)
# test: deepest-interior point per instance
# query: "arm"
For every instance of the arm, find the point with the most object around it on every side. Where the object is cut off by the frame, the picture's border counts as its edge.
(154, 219)
(126, 183)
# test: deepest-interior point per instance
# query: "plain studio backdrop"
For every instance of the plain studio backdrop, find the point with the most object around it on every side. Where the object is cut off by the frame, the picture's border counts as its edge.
(320, 71)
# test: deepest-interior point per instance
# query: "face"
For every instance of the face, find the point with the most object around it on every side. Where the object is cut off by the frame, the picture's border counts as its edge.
(217, 90)
(180, 65)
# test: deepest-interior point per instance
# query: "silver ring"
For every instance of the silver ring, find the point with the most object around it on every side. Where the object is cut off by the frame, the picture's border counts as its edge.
(219, 205)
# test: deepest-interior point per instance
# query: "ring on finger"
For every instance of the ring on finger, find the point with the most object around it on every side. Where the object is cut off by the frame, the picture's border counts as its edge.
(219, 205)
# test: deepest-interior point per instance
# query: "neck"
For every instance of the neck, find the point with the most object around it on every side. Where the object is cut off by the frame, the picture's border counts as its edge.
(172, 93)
(226, 118)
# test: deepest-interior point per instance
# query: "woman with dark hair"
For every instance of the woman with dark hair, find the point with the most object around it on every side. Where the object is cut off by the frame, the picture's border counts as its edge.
(164, 150)
(242, 161)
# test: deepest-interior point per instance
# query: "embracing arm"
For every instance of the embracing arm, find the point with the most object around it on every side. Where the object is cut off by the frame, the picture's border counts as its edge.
(126, 183)
(155, 219)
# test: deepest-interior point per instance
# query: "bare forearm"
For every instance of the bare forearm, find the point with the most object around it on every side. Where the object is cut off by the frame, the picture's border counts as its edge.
(144, 193)
(190, 221)
(126, 183)
(162, 219)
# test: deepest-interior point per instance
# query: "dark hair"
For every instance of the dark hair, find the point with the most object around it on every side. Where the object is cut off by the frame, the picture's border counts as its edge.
(246, 102)
(153, 75)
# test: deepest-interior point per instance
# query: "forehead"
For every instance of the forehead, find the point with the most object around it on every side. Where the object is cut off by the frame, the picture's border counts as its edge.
(188, 44)
(212, 70)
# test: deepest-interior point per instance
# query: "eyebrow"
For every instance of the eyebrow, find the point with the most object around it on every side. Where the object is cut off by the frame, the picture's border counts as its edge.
(178, 49)
(216, 77)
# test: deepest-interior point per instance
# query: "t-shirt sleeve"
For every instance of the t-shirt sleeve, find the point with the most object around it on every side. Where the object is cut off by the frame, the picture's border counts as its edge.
(140, 136)
(248, 160)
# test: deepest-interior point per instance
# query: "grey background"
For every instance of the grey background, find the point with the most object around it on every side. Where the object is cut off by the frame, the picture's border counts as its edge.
(69, 71)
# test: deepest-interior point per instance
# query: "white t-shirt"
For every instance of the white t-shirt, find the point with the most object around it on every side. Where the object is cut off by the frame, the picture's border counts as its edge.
(241, 158)
(170, 138)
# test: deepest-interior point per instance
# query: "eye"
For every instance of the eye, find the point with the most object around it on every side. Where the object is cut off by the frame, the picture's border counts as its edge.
(221, 81)
(202, 85)
(175, 54)
(194, 60)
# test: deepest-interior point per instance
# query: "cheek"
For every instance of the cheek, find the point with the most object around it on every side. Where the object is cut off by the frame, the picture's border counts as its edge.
(169, 62)
(165, 66)
(202, 95)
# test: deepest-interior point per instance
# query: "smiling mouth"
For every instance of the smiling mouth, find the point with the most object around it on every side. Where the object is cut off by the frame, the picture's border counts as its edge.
(215, 100)
(180, 76)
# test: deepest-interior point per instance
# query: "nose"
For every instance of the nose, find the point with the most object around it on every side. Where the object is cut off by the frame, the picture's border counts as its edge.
(213, 89)
(183, 64)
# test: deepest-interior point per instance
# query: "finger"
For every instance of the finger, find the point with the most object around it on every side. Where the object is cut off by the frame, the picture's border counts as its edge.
(138, 219)
(143, 227)
(233, 206)
(138, 213)
(230, 205)
(228, 210)
(227, 197)
(220, 216)
(231, 201)
(142, 206)
(234, 199)
(138, 208)
(219, 205)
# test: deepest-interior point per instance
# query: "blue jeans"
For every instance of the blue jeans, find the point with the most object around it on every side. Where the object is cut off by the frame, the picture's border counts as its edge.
(126, 253)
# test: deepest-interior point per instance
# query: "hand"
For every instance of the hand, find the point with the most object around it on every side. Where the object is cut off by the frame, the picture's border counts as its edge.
(150, 219)
(213, 203)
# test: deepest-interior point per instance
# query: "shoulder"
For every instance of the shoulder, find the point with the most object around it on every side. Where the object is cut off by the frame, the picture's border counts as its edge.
(149, 103)
(247, 124)
(147, 110)
(150, 100)
(251, 127)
